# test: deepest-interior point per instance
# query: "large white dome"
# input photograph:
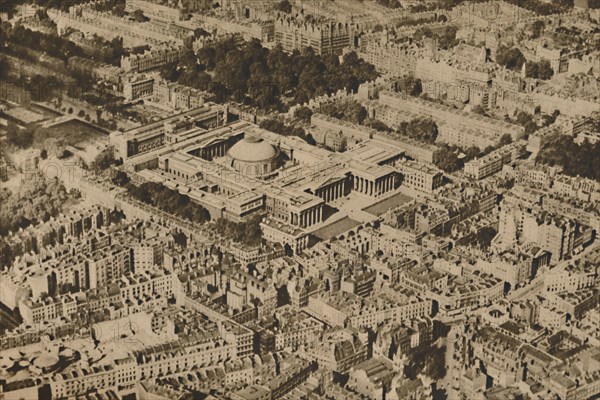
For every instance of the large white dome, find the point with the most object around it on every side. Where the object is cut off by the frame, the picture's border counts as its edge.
(253, 149)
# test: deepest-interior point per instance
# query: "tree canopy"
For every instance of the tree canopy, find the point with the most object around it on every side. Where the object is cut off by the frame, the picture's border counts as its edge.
(575, 159)
(269, 79)
(390, 3)
(410, 85)
(351, 111)
(169, 201)
(277, 126)
(511, 58)
(247, 232)
(284, 6)
(539, 70)
(423, 129)
(446, 38)
(35, 201)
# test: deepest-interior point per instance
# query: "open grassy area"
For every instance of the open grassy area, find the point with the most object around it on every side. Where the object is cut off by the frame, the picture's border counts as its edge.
(336, 228)
(74, 132)
(389, 203)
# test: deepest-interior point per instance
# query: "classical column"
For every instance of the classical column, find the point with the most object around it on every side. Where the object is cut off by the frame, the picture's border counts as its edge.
(320, 214)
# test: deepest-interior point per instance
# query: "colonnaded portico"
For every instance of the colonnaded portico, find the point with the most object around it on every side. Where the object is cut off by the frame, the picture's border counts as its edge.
(307, 218)
(373, 186)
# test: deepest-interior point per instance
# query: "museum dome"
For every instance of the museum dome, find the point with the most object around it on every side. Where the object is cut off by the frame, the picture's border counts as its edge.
(253, 149)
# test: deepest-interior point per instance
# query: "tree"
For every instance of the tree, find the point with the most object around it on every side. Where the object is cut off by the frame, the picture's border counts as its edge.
(428, 360)
(446, 38)
(377, 125)
(264, 78)
(505, 139)
(311, 140)
(411, 86)
(472, 152)
(199, 32)
(180, 238)
(423, 129)
(303, 114)
(478, 109)
(247, 232)
(351, 111)
(169, 201)
(139, 16)
(390, 3)
(120, 178)
(511, 58)
(35, 201)
(103, 161)
(539, 70)
(536, 28)
(447, 160)
(284, 6)
(170, 72)
(22, 138)
(6, 254)
(526, 120)
(575, 159)
(485, 236)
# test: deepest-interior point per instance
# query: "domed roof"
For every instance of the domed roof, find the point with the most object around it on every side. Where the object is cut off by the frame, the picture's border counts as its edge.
(45, 361)
(252, 149)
